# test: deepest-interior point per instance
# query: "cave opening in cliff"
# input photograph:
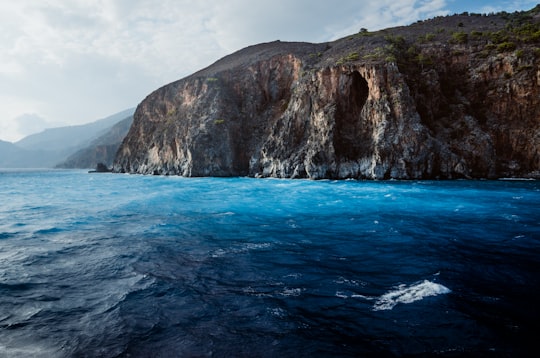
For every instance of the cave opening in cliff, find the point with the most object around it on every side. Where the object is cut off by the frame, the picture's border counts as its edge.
(352, 136)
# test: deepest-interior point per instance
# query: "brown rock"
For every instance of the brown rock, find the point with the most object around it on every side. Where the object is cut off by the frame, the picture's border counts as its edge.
(379, 105)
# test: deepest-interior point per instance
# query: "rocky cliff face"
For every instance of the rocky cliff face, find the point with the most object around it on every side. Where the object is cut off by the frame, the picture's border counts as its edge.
(453, 97)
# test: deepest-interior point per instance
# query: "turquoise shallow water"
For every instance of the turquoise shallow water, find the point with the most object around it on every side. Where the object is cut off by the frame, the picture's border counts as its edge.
(116, 265)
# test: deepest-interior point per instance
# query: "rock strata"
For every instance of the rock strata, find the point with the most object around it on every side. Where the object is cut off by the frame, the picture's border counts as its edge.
(438, 99)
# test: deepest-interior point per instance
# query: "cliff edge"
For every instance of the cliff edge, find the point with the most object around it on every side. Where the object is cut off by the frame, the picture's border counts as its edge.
(451, 97)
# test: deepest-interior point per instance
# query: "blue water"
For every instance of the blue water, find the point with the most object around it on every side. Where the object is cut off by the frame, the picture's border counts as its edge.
(110, 265)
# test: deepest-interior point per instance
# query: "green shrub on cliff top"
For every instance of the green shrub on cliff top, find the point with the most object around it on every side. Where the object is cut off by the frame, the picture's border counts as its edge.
(460, 37)
(397, 42)
(353, 56)
(498, 37)
(506, 47)
(529, 32)
(477, 34)
(364, 32)
(426, 38)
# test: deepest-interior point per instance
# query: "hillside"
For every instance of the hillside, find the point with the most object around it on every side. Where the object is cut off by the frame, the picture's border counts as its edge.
(52, 146)
(101, 150)
(451, 97)
(12, 156)
(71, 137)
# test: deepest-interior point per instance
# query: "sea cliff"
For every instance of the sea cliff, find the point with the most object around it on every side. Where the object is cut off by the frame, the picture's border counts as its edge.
(451, 97)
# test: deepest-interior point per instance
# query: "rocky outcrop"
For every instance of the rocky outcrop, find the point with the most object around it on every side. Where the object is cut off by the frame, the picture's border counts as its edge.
(445, 98)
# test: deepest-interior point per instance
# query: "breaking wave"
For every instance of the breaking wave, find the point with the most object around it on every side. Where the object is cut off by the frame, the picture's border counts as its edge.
(409, 294)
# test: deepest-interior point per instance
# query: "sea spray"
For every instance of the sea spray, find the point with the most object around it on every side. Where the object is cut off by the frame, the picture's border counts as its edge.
(409, 294)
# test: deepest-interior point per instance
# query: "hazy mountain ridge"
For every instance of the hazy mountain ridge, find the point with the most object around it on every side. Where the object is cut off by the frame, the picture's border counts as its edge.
(52, 146)
(101, 150)
(11, 156)
(451, 97)
(71, 136)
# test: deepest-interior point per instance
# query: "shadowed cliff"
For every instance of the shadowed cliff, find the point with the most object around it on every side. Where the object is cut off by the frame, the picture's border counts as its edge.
(451, 97)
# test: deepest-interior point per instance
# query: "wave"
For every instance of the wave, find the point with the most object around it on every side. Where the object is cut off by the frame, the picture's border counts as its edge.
(409, 294)
(241, 249)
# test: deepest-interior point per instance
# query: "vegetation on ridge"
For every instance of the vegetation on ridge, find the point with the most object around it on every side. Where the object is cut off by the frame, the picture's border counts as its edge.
(486, 34)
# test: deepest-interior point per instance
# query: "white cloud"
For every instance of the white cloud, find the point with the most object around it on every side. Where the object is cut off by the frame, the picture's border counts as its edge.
(80, 60)
(486, 7)
(11, 105)
(29, 123)
(376, 15)
(509, 6)
(239, 23)
(159, 35)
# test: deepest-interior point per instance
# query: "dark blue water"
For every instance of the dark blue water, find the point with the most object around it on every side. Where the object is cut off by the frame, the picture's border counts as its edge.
(105, 265)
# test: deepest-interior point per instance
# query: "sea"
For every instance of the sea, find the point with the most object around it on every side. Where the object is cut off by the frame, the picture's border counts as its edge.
(118, 265)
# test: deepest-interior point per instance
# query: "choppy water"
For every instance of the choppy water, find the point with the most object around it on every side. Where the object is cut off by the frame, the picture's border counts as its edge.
(140, 266)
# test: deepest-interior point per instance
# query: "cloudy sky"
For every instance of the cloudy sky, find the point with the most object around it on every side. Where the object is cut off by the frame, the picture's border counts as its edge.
(66, 62)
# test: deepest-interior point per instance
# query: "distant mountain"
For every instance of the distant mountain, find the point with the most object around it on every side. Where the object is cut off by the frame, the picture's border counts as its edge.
(8, 147)
(101, 150)
(11, 156)
(52, 146)
(72, 137)
(9, 152)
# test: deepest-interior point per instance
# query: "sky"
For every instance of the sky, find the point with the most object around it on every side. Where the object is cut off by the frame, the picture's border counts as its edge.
(69, 62)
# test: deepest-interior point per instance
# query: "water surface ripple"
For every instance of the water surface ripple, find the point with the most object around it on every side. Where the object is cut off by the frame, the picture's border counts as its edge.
(104, 265)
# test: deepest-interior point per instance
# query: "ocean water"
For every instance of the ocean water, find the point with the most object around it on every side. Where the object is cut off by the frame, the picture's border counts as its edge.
(111, 265)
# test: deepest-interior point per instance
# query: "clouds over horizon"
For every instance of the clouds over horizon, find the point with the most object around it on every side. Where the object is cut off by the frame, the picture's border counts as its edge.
(74, 62)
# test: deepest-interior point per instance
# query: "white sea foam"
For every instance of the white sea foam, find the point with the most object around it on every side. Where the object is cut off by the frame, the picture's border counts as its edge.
(278, 312)
(241, 249)
(345, 281)
(295, 275)
(409, 294)
(341, 294)
(363, 297)
(291, 292)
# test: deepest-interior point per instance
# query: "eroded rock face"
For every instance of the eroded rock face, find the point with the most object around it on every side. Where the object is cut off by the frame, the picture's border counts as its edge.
(293, 110)
(346, 122)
